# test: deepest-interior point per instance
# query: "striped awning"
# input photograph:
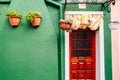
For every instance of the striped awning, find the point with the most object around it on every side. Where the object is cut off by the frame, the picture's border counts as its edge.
(83, 21)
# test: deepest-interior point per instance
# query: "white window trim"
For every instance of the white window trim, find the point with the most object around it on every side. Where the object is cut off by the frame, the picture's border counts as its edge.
(100, 69)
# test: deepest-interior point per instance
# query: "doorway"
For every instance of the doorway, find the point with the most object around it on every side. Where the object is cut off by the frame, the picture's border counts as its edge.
(99, 49)
(82, 55)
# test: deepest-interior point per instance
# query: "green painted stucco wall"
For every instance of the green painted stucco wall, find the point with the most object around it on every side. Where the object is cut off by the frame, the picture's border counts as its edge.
(5, 0)
(107, 33)
(28, 53)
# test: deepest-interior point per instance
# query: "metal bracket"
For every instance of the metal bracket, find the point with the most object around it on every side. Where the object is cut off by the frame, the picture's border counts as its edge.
(105, 6)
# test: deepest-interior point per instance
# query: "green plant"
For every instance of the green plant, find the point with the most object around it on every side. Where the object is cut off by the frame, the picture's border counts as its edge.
(30, 15)
(13, 13)
(69, 21)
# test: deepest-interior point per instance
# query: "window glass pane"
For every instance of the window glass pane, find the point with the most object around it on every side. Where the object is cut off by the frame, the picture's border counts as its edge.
(81, 44)
(74, 53)
(81, 53)
(88, 35)
(88, 53)
(74, 44)
(81, 35)
(74, 35)
(87, 43)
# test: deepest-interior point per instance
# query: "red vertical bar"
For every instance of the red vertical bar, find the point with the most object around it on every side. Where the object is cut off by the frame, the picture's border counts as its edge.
(93, 55)
(70, 50)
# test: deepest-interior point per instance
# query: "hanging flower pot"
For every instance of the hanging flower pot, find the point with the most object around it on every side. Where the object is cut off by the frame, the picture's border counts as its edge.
(34, 18)
(14, 17)
(36, 21)
(65, 25)
(113, 25)
(14, 21)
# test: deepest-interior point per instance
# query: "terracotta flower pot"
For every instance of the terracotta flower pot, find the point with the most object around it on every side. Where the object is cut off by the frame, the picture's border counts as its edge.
(68, 26)
(64, 25)
(36, 21)
(14, 21)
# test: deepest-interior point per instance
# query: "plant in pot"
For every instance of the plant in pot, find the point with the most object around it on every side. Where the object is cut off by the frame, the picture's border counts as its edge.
(14, 17)
(34, 18)
(65, 24)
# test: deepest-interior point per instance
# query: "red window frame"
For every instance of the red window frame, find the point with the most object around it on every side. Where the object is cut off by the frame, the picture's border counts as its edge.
(82, 67)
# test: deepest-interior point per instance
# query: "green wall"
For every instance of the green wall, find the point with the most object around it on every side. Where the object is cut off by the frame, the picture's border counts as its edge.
(5, 0)
(107, 34)
(28, 53)
(107, 47)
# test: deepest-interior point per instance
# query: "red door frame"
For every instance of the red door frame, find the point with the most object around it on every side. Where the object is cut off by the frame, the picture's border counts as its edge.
(76, 68)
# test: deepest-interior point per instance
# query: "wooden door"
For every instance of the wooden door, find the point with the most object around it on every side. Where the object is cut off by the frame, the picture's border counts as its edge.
(82, 55)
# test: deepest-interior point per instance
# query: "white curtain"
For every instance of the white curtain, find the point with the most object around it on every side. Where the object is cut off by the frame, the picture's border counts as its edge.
(83, 21)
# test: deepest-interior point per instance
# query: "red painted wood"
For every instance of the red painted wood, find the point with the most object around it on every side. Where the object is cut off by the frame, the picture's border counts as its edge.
(82, 67)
